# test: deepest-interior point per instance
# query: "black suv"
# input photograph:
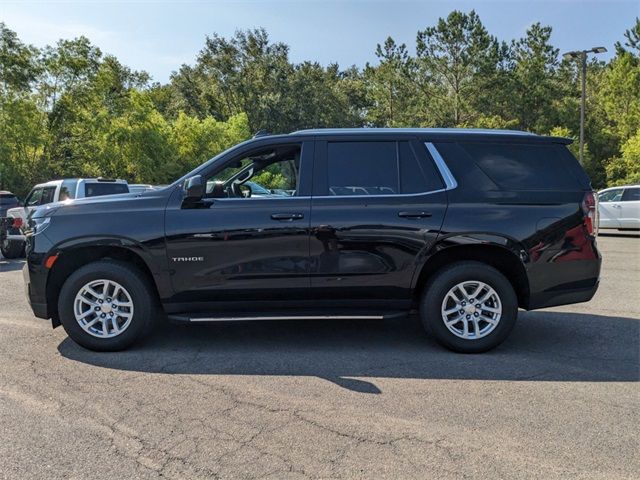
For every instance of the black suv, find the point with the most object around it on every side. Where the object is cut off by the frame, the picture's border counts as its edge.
(464, 225)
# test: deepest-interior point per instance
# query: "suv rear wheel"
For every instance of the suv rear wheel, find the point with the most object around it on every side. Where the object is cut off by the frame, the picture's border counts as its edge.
(469, 307)
(106, 305)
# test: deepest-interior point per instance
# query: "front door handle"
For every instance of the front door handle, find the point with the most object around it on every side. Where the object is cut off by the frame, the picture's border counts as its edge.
(287, 216)
(414, 214)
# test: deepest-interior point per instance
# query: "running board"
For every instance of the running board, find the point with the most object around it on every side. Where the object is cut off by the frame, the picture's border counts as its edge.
(204, 318)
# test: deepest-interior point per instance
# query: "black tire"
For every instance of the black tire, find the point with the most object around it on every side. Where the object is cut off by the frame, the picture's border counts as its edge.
(12, 249)
(436, 291)
(142, 296)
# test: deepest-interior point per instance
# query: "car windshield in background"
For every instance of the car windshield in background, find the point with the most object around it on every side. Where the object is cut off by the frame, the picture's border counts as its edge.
(8, 199)
(104, 188)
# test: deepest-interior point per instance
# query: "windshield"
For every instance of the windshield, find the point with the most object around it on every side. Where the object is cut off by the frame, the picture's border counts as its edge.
(8, 199)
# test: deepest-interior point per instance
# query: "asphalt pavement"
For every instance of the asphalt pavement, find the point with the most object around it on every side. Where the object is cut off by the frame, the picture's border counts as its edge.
(341, 399)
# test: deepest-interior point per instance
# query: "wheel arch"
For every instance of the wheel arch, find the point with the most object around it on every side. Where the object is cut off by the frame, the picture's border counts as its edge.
(70, 259)
(503, 255)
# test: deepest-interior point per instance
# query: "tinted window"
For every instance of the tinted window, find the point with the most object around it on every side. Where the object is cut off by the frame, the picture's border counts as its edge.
(362, 168)
(68, 190)
(523, 166)
(377, 168)
(610, 195)
(411, 178)
(631, 195)
(104, 188)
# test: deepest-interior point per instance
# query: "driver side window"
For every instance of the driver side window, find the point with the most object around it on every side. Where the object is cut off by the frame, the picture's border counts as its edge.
(267, 173)
(33, 199)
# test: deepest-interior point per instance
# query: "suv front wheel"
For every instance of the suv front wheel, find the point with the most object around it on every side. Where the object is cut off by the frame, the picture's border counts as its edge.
(469, 307)
(106, 305)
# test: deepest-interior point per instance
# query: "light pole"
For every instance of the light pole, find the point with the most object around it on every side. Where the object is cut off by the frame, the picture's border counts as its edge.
(582, 55)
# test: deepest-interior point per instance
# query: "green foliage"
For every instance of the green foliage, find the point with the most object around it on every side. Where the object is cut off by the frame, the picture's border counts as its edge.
(271, 180)
(625, 170)
(456, 59)
(390, 86)
(620, 95)
(68, 110)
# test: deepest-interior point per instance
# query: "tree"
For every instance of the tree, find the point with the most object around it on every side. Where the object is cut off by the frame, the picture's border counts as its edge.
(390, 83)
(18, 63)
(625, 170)
(632, 36)
(619, 95)
(68, 110)
(536, 88)
(453, 59)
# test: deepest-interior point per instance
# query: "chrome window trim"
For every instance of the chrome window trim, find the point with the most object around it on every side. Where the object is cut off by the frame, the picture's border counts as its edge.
(449, 179)
(386, 195)
(266, 197)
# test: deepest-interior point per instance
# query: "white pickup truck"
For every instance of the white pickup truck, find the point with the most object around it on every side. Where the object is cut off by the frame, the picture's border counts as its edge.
(12, 240)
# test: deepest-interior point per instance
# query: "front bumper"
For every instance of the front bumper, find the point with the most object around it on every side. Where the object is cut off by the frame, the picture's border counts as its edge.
(35, 289)
(35, 275)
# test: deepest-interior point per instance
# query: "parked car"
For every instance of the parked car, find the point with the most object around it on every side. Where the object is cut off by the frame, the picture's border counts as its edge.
(619, 207)
(465, 225)
(7, 200)
(12, 239)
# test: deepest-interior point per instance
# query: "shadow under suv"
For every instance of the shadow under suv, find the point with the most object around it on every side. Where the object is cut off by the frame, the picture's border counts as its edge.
(467, 226)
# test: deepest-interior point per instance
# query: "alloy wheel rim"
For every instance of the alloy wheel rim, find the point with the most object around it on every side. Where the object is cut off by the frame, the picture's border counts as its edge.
(103, 308)
(471, 310)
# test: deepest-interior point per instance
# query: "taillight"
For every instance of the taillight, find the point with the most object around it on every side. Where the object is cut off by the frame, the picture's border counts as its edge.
(590, 210)
(17, 222)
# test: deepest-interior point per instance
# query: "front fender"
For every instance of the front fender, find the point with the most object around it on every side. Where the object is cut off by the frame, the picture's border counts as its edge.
(152, 255)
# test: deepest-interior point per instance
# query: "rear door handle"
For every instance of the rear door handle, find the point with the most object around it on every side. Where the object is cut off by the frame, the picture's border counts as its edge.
(414, 214)
(287, 216)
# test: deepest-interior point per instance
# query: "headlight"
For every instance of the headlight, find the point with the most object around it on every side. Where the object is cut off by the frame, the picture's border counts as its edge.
(38, 224)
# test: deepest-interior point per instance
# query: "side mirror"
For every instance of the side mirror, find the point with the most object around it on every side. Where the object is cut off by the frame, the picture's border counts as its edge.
(194, 188)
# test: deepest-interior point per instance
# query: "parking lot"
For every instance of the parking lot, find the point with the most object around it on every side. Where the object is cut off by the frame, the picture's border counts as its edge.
(360, 399)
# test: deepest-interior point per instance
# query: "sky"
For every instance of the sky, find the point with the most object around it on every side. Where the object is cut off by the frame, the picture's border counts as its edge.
(159, 36)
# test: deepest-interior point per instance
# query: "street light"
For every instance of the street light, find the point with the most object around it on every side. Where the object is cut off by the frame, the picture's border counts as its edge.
(582, 55)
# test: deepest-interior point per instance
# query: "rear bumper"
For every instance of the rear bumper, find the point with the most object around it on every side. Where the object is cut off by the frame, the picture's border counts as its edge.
(564, 283)
(562, 297)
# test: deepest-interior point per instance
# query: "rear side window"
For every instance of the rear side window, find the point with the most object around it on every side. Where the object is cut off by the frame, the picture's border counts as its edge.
(104, 188)
(376, 168)
(525, 166)
(68, 190)
(631, 195)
